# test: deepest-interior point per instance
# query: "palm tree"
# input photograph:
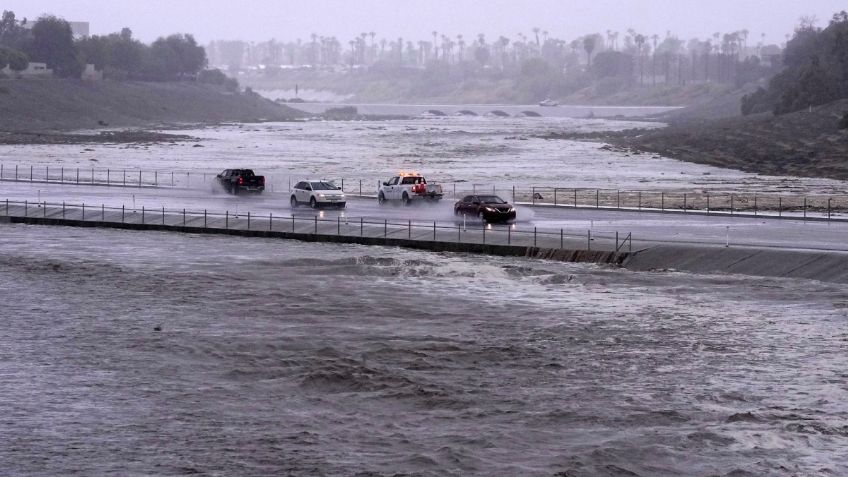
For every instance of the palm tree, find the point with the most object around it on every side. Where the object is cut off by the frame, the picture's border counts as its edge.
(655, 38)
(536, 32)
(640, 39)
(589, 46)
(435, 46)
(461, 43)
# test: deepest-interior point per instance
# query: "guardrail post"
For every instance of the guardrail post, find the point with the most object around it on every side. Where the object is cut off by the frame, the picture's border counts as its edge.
(139, 178)
(684, 203)
(172, 178)
(616, 241)
(77, 174)
(316, 225)
(597, 199)
(708, 203)
(780, 206)
(204, 218)
(409, 225)
(731, 204)
(248, 220)
(125, 177)
(484, 233)
(156, 178)
(385, 228)
(755, 205)
(292, 223)
(227, 220)
(589, 240)
(575, 198)
(509, 235)
(26, 210)
(805, 208)
(83, 210)
(434, 230)
(122, 212)
(63, 210)
(142, 215)
(555, 196)
(108, 176)
(828, 208)
(513, 192)
(92, 175)
(46, 173)
(102, 213)
(184, 221)
(534, 236)
(662, 201)
(44, 209)
(338, 225)
(30, 173)
(618, 199)
(163, 215)
(62, 170)
(7, 207)
(360, 187)
(561, 240)
(640, 200)
(16, 173)
(458, 234)
(270, 221)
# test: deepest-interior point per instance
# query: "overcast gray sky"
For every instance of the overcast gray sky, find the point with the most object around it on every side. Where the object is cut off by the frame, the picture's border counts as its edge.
(258, 20)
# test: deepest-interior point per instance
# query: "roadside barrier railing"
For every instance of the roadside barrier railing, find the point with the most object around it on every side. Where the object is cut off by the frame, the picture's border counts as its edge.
(829, 206)
(462, 231)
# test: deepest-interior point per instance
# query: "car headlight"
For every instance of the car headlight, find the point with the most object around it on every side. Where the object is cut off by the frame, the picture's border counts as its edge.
(512, 209)
(321, 195)
(491, 209)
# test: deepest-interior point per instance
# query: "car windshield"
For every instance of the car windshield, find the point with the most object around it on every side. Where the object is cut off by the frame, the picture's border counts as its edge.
(413, 180)
(491, 199)
(246, 173)
(323, 186)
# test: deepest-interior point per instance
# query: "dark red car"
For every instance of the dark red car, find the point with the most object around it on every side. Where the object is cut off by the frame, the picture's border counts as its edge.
(489, 208)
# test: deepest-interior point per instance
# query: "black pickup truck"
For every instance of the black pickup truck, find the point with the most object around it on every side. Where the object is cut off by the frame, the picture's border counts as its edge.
(238, 180)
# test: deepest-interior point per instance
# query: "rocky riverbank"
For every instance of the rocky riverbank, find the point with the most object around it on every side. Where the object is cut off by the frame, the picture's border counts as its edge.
(806, 143)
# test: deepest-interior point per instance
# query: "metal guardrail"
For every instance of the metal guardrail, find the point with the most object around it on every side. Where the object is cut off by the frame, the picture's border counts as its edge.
(350, 226)
(703, 201)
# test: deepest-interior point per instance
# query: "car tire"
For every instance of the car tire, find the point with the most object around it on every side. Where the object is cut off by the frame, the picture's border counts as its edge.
(293, 202)
(381, 199)
(313, 203)
(406, 200)
(235, 190)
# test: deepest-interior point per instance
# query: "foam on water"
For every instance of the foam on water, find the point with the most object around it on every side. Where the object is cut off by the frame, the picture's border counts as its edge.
(281, 357)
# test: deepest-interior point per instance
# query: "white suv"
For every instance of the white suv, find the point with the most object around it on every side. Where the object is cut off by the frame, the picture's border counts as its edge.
(317, 194)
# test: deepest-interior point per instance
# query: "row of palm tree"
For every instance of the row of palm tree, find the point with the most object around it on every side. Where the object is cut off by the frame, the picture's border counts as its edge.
(720, 53)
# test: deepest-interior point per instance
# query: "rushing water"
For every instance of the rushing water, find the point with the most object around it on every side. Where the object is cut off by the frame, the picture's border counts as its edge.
(503, 152)
(279, 357)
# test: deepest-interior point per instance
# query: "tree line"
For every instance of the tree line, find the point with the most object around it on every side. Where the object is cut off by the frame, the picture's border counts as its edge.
(816, 71)
(119, 56)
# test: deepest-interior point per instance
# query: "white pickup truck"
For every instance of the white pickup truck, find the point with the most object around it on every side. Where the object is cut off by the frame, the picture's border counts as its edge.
(407, 187)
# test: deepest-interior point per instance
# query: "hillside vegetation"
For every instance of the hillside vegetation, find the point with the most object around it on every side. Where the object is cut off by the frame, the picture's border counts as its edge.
(63, 104)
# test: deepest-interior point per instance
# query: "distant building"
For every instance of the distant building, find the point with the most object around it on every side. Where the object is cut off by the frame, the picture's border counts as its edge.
(34, 70)
(91, 74)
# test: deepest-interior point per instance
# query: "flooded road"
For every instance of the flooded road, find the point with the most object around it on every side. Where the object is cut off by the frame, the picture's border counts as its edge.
(280, 357)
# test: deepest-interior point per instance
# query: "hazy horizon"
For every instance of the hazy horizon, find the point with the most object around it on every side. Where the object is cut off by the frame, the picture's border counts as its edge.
(261, 20)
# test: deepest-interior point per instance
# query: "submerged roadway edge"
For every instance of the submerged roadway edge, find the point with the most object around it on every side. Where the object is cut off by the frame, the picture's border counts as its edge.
(828, 266)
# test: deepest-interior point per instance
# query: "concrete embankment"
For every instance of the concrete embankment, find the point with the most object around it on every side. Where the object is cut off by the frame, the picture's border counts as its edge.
(372, 236)
(830, 266)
